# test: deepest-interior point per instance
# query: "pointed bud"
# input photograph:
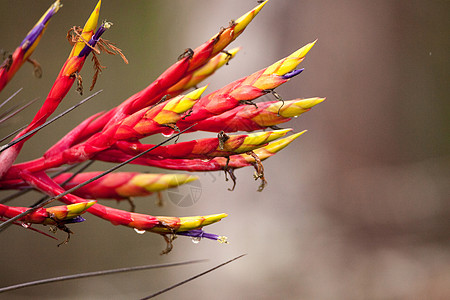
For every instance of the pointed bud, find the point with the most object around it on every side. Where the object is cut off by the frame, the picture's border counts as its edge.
(189, 223)
(32, 39)
(289, 63)
(88, 30)
(293, 108)
(236, 28)
(243, 21)
(66, 212)
(173, 108)
(273, 147)
(260, 138)
(159, 182)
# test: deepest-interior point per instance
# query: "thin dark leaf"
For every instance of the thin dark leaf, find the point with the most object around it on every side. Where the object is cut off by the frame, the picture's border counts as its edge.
(5, 118)
(191, 278)
(3, 148)
(8, 110)
(96, 273)
(12, 96)
(13, 133)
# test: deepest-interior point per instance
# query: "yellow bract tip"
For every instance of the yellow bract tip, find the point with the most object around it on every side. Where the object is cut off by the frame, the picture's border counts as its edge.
(213, 218)
(178, 179)
(284, 65)
(211, 66)
(196, 94)
(295, 135)
(244, 20)
(225, 57)
(78, 208)
(157, 182)
(185, 102)
(233, 51)
(309, 102)
(179, 104)
(184, 178)
(300, 53)
(189, 223)
(279, 133)
(280, 144)
(88, 30)
(289, 63)
(91, 23)
(293, 108)
(253, 140)
(69, 211)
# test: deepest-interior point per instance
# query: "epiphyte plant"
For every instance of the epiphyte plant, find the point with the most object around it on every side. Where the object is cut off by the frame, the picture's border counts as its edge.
(170, 105)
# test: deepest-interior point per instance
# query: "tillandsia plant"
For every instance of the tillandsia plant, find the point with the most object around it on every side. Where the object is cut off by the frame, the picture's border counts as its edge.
(166, 106)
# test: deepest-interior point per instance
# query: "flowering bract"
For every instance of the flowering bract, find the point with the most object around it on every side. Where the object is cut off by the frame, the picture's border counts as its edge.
(164, 106)
(12, 64)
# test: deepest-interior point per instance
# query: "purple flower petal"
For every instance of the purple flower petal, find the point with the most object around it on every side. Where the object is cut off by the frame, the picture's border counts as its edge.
(77, 219)
(36, 31)
(199, 233)
(292, 74)
(93, 41)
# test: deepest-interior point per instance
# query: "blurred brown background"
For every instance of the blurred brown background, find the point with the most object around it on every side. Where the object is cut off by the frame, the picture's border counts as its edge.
(357, 208)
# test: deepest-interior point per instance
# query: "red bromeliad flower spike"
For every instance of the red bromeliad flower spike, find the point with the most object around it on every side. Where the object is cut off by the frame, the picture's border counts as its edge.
(57, 216)
(49, 216)
(206, 148)
(118, 186)
(166, 226)
(123, 185)
(60, 88)
(227, 164)
(251, 118)
(116, 135)
(202, 165)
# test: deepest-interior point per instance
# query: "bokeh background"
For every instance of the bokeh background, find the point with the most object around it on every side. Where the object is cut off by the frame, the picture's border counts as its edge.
(357, 208)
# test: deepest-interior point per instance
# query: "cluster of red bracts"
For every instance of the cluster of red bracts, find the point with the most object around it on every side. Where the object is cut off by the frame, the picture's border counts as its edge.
(114, 136)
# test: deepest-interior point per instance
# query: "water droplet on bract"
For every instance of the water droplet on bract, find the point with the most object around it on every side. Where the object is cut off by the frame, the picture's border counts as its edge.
(167, 135)
(26, 225)
(196, 239)
(205, 160)
(295, 117)
(139, 231)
